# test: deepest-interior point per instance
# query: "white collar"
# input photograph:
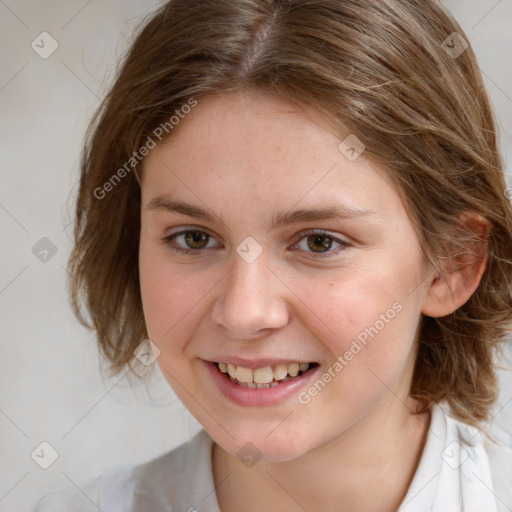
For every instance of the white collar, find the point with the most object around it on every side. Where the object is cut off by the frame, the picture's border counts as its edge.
(453, 473)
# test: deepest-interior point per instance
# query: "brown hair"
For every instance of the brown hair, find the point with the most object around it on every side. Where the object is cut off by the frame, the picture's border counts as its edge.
(386, 71)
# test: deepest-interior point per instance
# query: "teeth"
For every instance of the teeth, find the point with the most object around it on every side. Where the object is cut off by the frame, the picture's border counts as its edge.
(253, 385)
(293, 369)
(243, 374)
(280, 371)
(247, 384)
(262, 377)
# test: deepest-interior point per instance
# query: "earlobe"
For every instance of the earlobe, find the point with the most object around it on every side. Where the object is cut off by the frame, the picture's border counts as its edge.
(459, 273)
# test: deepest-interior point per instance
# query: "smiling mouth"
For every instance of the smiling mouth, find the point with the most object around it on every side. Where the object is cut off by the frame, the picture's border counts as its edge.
(266, 377)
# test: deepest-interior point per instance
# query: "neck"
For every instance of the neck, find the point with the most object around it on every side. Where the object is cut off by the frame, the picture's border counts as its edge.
(367, 468)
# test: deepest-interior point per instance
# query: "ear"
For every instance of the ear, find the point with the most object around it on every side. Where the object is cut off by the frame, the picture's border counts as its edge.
(460, 273)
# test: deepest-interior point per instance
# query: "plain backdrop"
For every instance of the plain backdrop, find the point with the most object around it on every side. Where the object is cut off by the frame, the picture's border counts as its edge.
(51, 388)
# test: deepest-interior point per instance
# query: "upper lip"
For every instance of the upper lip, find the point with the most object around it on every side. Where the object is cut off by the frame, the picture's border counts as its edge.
(255, 363)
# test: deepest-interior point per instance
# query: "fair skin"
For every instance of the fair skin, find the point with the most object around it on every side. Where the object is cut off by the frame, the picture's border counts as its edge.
(356, 445)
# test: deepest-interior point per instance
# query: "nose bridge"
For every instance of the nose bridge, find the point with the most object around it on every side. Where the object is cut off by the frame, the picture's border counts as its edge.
(251, 299)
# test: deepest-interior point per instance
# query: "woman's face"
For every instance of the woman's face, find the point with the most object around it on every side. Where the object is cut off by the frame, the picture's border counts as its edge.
(271, 285)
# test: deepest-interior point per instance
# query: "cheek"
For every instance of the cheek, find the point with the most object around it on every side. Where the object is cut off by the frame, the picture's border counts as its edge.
(341, 306)
(171, 295)
(363, 317)
(159, 290)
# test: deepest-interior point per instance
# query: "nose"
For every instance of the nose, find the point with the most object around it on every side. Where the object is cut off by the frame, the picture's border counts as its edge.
(252, 300)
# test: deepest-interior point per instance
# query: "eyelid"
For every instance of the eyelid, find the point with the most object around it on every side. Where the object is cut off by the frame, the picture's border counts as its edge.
(169, 239)
(322, 232)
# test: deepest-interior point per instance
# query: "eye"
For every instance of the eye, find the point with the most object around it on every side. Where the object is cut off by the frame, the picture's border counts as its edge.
(320, 242)
(195, 239)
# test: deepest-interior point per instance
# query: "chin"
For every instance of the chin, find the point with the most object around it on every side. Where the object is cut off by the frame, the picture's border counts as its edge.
(264, 447)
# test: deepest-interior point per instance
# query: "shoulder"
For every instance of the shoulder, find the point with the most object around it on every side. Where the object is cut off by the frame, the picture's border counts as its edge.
(459, 470)
(485, 463)
(492, 446)
(162, 483)
(84, 499)
(500, 462)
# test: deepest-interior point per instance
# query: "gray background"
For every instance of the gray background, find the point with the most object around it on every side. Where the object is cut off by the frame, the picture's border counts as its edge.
(50, 384)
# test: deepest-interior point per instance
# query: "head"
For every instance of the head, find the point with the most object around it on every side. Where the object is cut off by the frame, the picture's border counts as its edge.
(253, 108)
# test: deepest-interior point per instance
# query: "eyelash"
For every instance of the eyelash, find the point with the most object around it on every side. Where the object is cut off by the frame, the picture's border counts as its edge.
(169, 240)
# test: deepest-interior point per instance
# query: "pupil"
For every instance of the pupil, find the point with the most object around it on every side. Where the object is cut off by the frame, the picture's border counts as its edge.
(195, 237)
(326, 244)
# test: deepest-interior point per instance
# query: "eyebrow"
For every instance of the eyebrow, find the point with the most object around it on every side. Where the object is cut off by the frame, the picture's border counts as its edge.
(279, 219)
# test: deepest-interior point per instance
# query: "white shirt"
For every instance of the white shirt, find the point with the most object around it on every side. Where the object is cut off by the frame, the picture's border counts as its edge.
(459, 471)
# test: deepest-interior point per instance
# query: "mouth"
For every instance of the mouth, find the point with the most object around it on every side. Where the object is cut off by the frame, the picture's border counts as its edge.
(265, 377)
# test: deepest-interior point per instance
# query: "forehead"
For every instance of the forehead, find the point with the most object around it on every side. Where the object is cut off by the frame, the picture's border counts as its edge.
(261, 148)
(242, 123)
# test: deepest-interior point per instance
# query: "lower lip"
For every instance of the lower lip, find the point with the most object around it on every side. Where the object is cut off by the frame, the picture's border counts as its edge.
(257, 397)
